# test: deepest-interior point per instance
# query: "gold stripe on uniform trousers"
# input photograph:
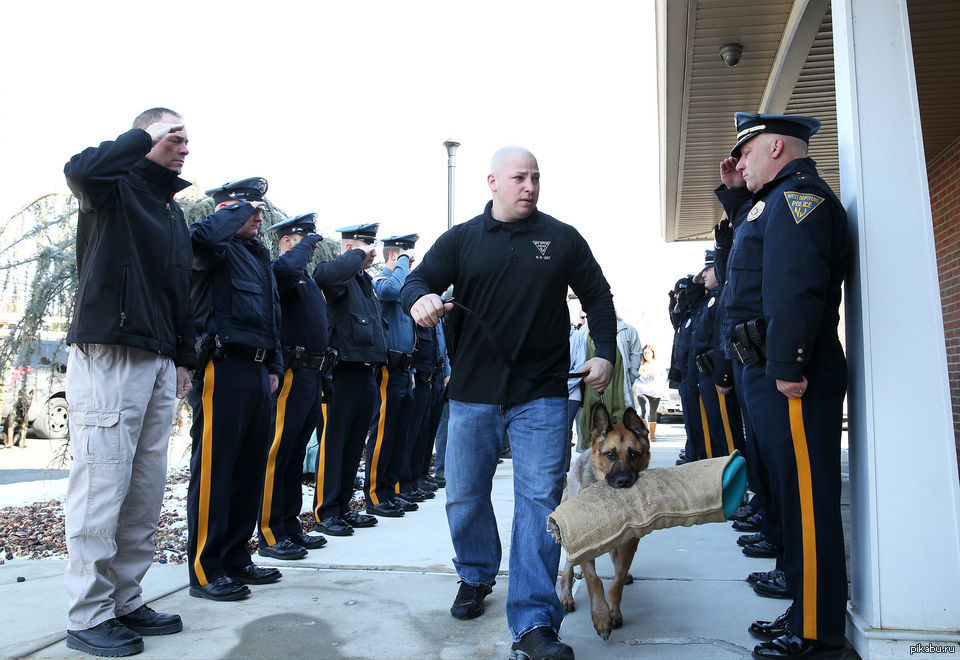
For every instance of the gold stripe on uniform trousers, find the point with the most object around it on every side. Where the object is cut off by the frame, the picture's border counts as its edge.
(206, 449)
(808, 526)
(726, 420)
(271, 475)
(321, 463)
(706, 428)
(372, 486)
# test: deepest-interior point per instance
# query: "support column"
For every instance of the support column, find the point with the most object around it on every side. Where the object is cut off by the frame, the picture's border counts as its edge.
(905, 495)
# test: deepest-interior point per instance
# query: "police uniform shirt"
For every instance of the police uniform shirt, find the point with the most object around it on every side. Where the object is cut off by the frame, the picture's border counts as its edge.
(514, 276)
(795, 234)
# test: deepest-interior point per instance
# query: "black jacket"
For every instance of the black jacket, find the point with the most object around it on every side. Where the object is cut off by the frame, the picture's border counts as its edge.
(133, 251)
(353, 311)
(234, 292)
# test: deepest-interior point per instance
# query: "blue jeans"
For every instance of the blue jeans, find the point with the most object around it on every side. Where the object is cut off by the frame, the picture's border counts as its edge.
(538, 441)
(439, 463)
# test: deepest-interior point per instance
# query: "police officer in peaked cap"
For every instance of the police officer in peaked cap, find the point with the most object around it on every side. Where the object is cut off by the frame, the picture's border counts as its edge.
(388, 451)
(359, 337)
(237, 315)
(785, 270)
(307, 358)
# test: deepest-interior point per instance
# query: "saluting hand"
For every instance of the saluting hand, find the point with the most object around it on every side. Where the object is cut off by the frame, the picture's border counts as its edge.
(429, 309)
(729, 175)
(159, 130)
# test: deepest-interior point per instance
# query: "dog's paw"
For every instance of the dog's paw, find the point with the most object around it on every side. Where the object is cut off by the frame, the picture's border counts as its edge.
(568, 605)
(629, 579)
(602, 625)
(616, 620)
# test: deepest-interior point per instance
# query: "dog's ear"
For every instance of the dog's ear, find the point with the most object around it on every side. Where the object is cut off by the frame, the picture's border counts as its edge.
(633, 422)
(602, 424)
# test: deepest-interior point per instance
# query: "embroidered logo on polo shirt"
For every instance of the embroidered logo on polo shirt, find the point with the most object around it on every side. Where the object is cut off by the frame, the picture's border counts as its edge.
(802, 204)
(542, 246)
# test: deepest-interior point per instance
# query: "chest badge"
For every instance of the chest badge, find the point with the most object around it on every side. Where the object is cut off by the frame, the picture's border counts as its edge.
(802, 204)
(542, 247)
(756, 211)
(711, 301)
(687, 325)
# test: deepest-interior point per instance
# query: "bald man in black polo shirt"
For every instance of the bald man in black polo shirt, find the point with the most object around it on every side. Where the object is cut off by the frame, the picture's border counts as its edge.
(511, 265)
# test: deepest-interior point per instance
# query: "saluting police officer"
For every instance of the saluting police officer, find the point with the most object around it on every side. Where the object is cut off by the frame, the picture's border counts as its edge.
(691, 298)
(307, 358)
(785, 271)
(358, 336)
(237, 320)
(391, 415)
(720, 413)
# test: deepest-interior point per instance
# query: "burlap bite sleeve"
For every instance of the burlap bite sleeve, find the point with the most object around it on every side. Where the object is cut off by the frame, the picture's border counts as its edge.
(601, 518)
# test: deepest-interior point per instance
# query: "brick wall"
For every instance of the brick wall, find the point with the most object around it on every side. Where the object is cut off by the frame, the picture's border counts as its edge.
(943, 171)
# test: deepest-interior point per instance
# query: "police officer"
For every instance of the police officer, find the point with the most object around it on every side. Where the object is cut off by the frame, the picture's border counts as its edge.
(306, 359)
(719, 411)
(359, 338)
(391, 415)
(786, 268)
(691, 298)
(428, 365)
(237, 321)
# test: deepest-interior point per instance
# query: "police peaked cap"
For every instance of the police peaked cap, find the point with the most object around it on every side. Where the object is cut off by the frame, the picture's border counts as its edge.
(749, 125)
(367, 232)
(708, 259)
(244, 190)
(302, 224)
(404, 242)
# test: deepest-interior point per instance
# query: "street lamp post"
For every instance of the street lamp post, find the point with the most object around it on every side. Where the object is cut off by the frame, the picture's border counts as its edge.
(451, 164)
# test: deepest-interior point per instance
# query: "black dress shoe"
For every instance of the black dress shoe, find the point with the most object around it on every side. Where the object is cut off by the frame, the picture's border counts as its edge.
(286, 549)
(253, 574)
(145, 621)
(791, 646)
(770, 629)
(756, 576)
(425, 494)
(355, 519)
(389, 509)
(406, 505)
(751, 524)
(540, 643)
(442, 482)
(309, 541)
(469, 601)
(743, 513)
(109, 638)
(334, 527)
(775, 588)
(223, 588)
(750, 539)
(424, 484)
(762, 549)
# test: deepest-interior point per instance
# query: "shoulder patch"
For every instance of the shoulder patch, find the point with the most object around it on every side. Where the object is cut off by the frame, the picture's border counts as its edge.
(802, 204)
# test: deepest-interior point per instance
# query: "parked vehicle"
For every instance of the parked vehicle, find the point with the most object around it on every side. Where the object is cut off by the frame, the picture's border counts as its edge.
(42, 383)
(671, 409)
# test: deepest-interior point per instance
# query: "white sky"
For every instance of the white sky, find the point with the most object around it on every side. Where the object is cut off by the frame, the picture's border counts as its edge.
(344, 106)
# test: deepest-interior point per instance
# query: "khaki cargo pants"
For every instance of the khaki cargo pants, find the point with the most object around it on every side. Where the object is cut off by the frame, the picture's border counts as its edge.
(121, 408)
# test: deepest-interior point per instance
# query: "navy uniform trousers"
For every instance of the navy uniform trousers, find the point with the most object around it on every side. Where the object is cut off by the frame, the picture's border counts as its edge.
(388, 435)
(296, 415)
(418, 443)
(799, 440)
(695, 448)
(720, 419)
(231, 423)
(758, 477)
(341, 444)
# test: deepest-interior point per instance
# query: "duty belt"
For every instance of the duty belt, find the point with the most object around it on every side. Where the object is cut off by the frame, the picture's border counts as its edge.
(749, 341)
(211, 346)
(705, 362)
(398, 360)
(297, 357)
(425, 377)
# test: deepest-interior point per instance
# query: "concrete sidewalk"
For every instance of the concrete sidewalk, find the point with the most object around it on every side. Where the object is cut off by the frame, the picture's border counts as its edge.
(385, 593)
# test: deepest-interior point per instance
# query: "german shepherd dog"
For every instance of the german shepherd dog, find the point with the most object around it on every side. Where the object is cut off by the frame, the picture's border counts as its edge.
(618, 453)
